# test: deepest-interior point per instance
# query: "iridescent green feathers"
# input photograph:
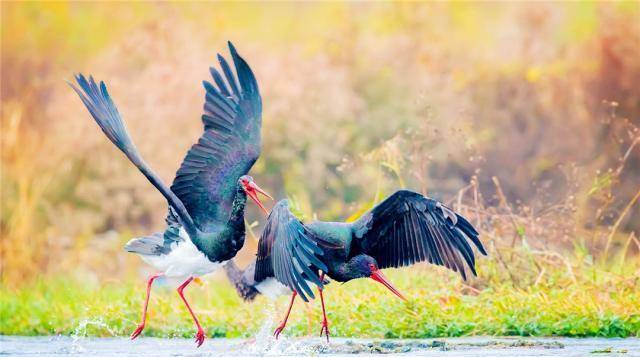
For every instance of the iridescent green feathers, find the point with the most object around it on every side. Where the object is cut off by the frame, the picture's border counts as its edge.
(228, 148)
(203, 190)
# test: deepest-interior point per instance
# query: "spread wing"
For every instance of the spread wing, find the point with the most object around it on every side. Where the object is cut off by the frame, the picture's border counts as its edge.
(407, 228)
(287, 252)
(229, 147)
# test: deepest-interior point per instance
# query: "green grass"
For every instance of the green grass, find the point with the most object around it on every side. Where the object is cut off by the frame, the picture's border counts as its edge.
(598, 306)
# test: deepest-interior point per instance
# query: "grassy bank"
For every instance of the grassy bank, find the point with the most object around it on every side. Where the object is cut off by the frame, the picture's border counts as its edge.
(598, 303)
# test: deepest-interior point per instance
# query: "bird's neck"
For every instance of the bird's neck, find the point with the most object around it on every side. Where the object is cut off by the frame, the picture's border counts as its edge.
(348, 270)
(223, 244)
(232, 236)
(236, 218)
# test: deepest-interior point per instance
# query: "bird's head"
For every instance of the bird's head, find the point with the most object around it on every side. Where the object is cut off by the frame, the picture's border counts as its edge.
(367, 267)
(252, 189)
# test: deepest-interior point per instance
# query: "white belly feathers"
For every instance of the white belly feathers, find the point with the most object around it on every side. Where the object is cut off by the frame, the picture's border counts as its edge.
(272, 288)
(184, 260)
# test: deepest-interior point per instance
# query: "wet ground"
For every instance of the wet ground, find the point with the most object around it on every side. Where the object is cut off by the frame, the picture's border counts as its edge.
(453, 347)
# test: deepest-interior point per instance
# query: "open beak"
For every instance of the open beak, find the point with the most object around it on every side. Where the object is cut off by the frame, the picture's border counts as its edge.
(379, 277)
(253, 191)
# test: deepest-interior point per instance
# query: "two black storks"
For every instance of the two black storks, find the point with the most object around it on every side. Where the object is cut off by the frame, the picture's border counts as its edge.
(404, 229)
(205, 224)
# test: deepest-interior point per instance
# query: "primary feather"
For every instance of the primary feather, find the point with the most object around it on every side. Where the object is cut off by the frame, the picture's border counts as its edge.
(287, 252)
(407, 228)
(228, 148)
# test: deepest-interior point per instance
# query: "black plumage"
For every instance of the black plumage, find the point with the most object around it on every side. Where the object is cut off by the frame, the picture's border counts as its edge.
(228, 148)
(408, 228)
(205, 223)
(404, 229)
(288, 251)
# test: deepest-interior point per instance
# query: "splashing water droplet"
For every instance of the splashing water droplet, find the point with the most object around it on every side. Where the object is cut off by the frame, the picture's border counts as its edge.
(265, 343)
(80, 333)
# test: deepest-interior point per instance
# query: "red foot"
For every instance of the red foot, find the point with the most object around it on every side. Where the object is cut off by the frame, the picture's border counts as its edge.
(200, 337)
(137, 332)
(325, 329)
(325, 322)
(278, 330)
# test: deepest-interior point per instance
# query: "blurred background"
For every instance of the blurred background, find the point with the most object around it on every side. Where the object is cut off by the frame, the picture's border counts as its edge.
(524, 117)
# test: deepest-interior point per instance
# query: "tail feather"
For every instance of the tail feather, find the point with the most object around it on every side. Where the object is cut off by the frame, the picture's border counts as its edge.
(242, 280)
(149, 245)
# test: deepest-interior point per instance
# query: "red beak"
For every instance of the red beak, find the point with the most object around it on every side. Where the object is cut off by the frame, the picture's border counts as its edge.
(252, 189)
(379, 277)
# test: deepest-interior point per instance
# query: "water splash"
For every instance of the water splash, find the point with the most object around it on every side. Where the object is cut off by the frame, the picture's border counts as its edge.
(80, 334)
(265, 344)
(264, 340)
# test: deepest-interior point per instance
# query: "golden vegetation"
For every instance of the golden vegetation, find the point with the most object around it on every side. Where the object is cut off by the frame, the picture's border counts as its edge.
(522, 117)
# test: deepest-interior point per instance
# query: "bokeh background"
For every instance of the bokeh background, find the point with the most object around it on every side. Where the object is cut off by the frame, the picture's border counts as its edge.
(523, 116)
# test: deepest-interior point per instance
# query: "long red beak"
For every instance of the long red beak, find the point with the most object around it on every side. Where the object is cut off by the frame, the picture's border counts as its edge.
(252, 191)
(379, 277)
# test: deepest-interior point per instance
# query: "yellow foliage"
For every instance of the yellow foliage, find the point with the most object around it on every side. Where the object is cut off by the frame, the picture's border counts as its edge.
(360, 99)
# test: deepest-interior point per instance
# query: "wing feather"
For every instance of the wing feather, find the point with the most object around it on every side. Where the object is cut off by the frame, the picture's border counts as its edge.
(288, 251)
(222, 86)
(230, 145)
(407, 228)
(231, 79)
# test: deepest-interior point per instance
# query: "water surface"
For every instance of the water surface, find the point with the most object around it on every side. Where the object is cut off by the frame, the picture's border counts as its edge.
(453, 347)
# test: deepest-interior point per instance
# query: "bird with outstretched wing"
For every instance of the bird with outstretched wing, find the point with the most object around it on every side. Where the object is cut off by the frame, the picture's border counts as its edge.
(205, 224)
(404, 229)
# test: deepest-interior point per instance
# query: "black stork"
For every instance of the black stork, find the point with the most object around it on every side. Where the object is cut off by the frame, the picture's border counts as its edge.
(404, 229)
(205, 224)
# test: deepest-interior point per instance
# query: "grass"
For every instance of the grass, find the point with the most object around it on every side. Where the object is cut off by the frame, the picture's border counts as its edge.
(439, 305)
(550, 171)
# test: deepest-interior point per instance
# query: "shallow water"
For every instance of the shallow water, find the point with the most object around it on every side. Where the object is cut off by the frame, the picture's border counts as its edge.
(454, 347)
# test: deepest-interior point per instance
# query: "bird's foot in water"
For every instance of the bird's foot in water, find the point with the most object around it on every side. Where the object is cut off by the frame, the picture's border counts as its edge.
(325, 329)
(137, 332)
(278, 330)
(200, 337)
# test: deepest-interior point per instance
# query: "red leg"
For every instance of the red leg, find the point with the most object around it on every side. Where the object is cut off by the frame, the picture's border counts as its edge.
(286, 317)
(325, 322)
(200, 333)
(138, 330)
